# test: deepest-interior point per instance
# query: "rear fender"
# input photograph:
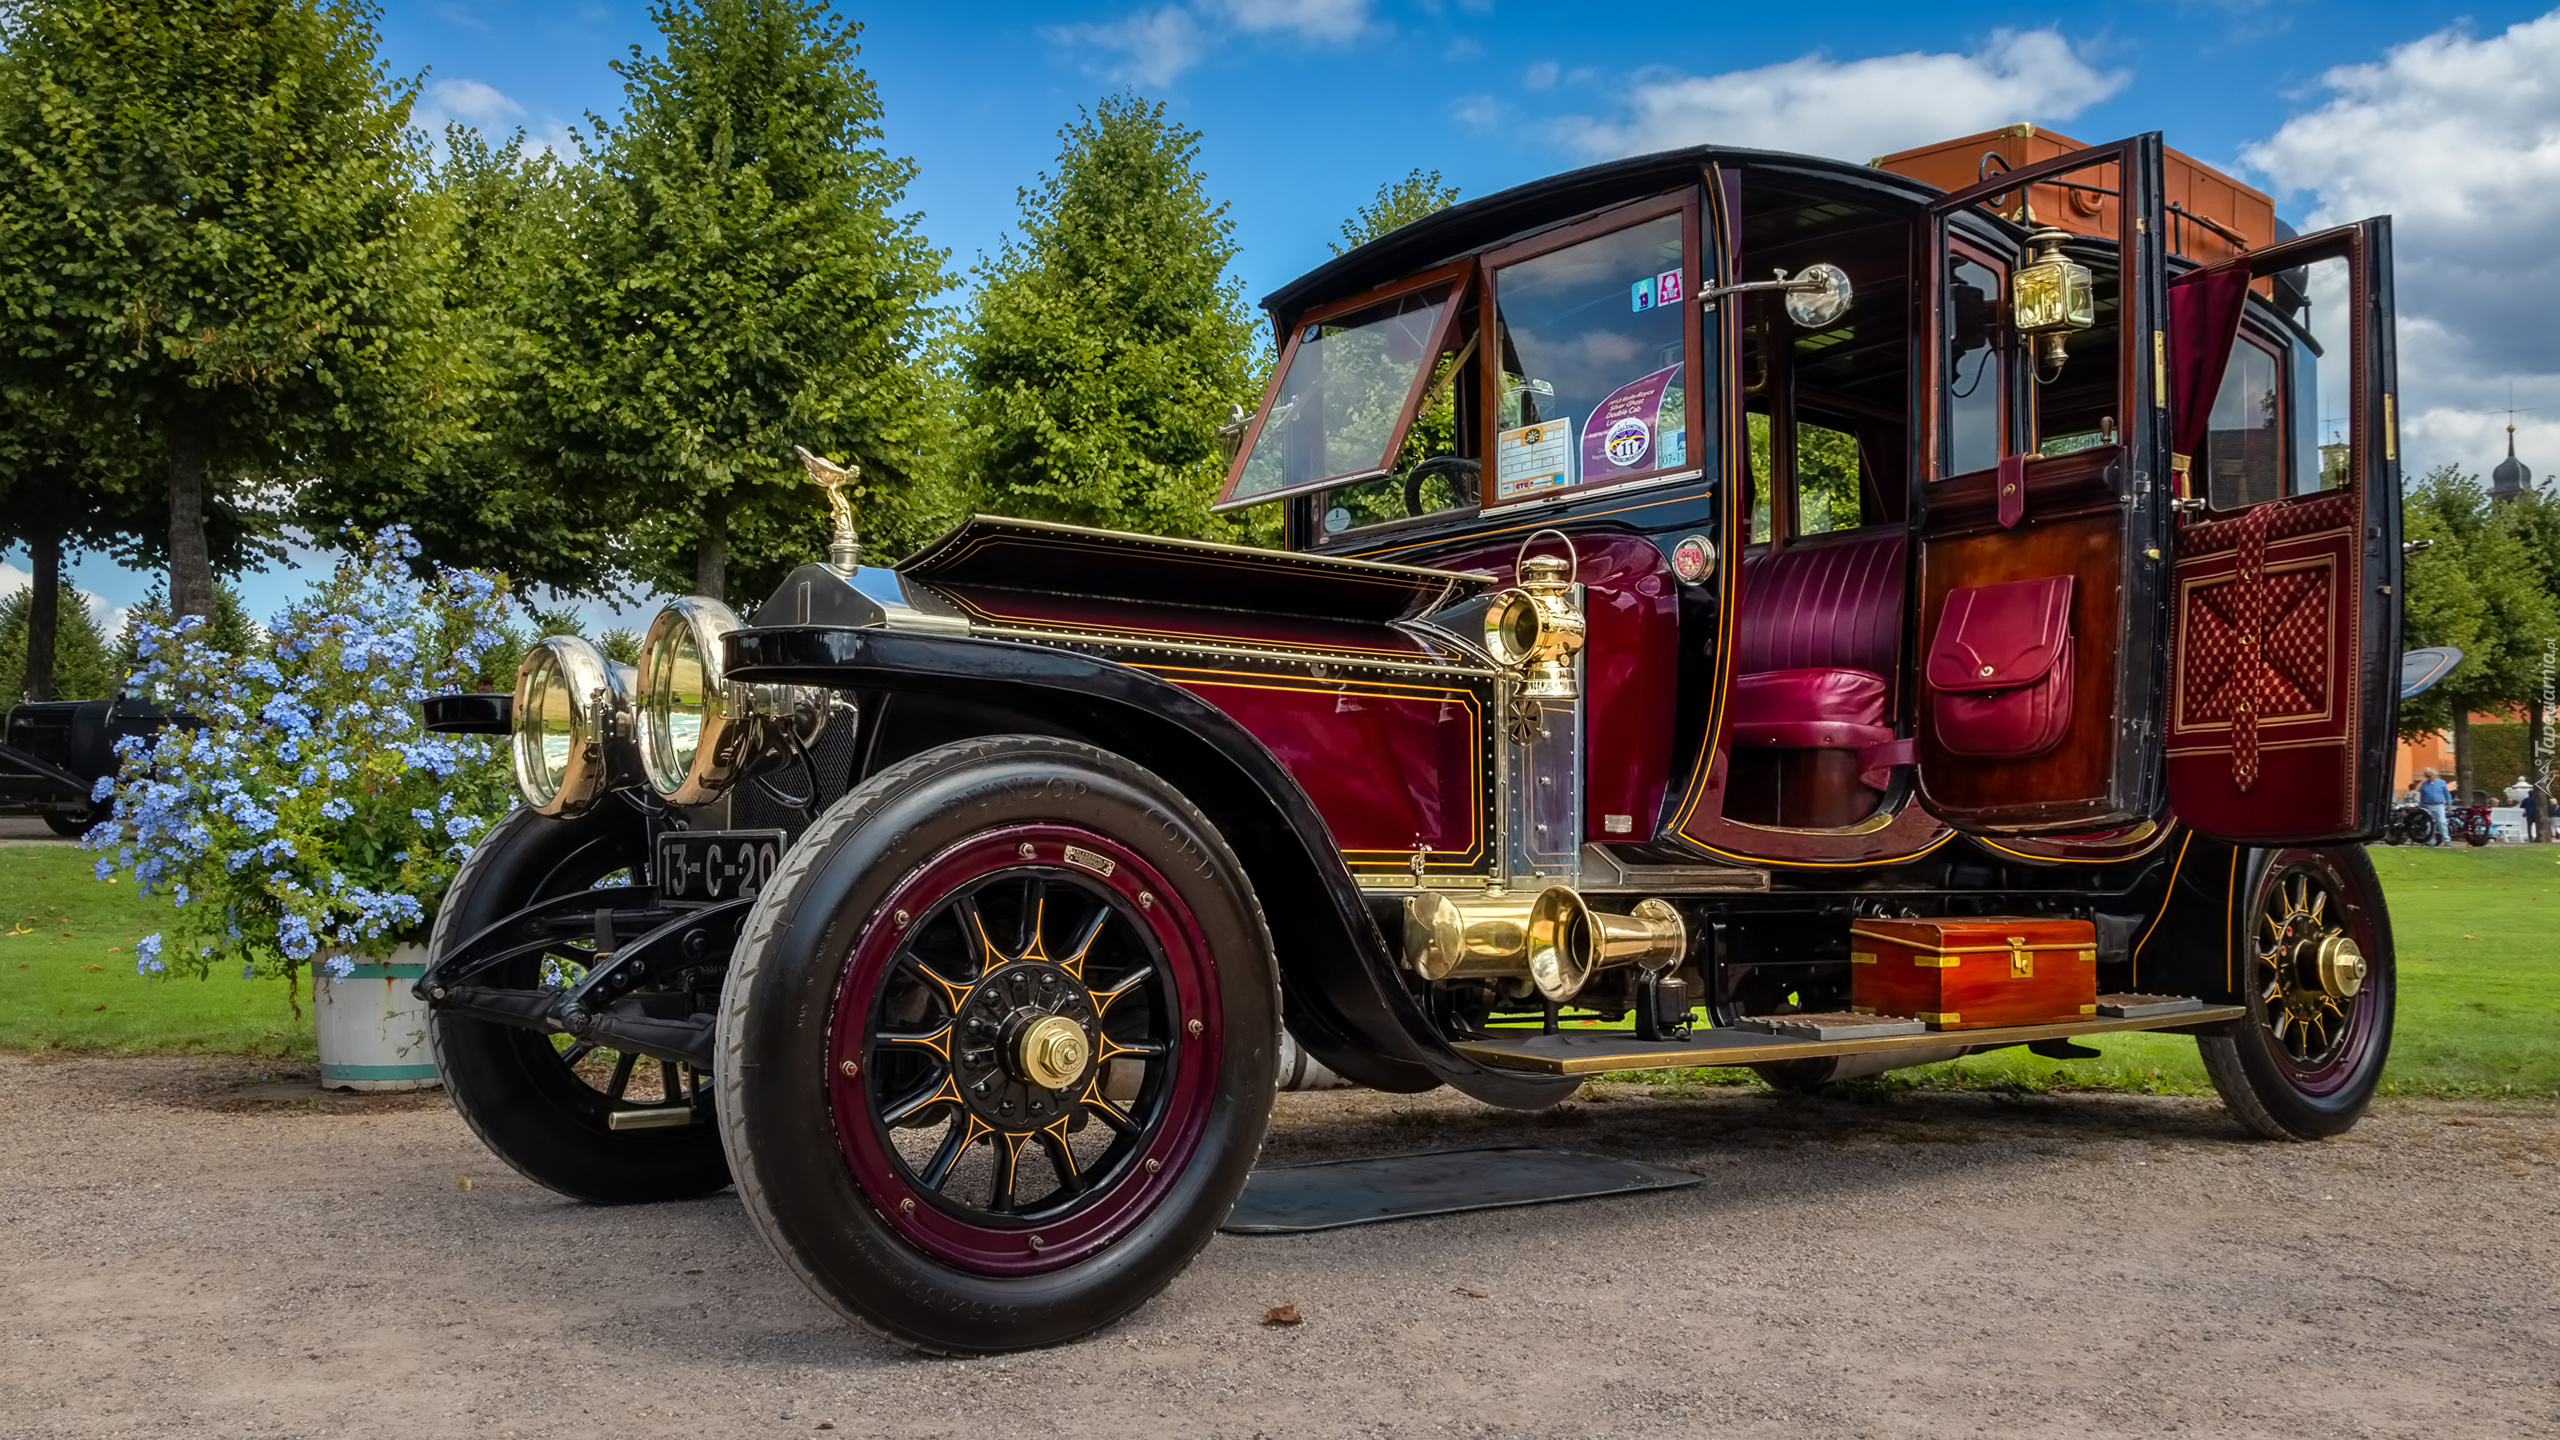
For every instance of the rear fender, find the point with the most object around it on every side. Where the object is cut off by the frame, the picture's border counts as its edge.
(1344, 999)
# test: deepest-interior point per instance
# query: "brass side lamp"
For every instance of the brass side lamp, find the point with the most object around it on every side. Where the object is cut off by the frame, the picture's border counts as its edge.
(2051, 296)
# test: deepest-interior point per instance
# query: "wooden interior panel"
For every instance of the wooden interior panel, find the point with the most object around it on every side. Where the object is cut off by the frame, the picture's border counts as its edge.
(2067, 785)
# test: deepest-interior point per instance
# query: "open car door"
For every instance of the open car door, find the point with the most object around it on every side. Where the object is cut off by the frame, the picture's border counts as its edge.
(2042, 497)
(2284, 664)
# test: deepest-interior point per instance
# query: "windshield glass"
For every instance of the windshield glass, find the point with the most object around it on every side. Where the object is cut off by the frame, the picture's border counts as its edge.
(1347, 383)
(1592, 386)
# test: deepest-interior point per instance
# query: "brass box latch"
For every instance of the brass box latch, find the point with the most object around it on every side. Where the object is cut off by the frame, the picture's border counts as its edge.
(2022, 961)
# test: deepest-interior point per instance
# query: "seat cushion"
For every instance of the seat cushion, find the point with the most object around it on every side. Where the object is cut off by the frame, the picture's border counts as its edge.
(1821, 707)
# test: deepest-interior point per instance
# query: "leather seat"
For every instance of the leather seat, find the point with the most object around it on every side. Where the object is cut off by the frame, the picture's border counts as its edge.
(1817, 665)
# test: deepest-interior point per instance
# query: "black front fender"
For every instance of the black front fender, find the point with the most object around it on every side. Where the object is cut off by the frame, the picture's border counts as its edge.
(1344, 998)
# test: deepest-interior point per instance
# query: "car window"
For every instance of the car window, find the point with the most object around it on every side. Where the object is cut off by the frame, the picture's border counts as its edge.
(2243, 457)
(1591, 351)
(1346, 384)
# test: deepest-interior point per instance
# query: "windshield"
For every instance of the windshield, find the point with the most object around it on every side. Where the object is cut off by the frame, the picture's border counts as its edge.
(1347, 382)
(1592, 345)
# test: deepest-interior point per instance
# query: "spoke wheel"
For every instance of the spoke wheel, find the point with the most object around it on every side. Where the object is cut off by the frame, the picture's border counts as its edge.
(998, 1047)
(543, 1103)
(2314, 950)
(1017, 1048)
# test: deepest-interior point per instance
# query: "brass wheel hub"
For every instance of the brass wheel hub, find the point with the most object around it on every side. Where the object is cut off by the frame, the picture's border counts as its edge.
(2312, 970)
(2340, 966)
(1051, 1051)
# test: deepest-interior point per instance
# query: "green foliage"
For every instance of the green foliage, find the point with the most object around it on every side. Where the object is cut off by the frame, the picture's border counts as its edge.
(732, 282)
(2479, 588)
(1399, 203)
(211, 253)
(82, 668)
(230, 631)
(477, 489)
(1106, 343)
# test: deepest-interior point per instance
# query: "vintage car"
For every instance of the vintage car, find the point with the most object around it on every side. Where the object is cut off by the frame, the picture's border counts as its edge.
(53, 753)
(1737, 609)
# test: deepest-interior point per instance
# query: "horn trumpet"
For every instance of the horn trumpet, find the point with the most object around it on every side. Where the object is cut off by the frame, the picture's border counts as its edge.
(1556, 939)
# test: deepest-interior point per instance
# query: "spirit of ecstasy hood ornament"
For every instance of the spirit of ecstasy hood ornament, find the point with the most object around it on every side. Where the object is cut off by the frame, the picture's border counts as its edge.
(844, 546)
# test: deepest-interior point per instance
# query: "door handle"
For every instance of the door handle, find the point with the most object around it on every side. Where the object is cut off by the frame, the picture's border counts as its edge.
(2185, 505)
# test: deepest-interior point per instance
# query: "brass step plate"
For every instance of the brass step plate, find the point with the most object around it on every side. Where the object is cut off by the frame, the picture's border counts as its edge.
(1597, 1052)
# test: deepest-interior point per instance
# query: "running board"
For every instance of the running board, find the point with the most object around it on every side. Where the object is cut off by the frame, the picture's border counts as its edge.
(1597, 1052)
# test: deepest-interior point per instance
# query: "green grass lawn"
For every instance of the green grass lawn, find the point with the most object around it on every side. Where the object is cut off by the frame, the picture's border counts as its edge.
(2479, 984)
(67, 979)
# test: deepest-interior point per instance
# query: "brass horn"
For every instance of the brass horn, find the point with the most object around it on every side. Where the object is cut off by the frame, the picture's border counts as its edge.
(1569, 942)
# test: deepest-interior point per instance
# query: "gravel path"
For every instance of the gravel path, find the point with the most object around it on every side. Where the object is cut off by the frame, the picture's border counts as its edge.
(187, 1251)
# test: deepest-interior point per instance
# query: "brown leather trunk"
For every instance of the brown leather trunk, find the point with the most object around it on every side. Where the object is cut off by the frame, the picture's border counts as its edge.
(1975, 972)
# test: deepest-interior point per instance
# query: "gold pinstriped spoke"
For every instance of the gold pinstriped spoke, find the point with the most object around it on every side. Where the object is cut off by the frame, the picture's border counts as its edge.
(1104, 999)
(966, 1130)
(1073, 963)
(943, 1089)
(1009, 1145)
(1110, 1111)
(1145, 1049)
(1062, 1160)
(937, 1041)
(952, 994)
(973, 927)
(1036, 916)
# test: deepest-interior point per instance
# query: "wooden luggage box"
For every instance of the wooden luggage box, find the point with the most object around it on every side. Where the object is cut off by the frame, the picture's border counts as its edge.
(1975, 972)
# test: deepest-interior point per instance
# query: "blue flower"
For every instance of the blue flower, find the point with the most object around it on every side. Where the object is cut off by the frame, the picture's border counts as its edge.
(339, 967)
(146, 955)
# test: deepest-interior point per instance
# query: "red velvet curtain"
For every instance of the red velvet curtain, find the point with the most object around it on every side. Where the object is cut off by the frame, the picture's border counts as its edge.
(2204, 320)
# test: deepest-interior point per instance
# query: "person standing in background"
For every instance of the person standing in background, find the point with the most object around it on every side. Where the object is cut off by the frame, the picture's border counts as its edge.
(2435, 797)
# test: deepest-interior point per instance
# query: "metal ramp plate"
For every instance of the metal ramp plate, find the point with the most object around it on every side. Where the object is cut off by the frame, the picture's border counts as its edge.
(1329, 1194)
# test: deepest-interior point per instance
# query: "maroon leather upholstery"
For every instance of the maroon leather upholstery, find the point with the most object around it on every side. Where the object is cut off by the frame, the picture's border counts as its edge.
(1829, 604)
(1791, 709)
(1999, 672)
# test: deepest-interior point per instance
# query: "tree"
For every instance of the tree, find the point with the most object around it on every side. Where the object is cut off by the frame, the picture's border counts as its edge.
(477, 489)
(210, 251)
(1399, 203)
(2479, 589)
(735, 284)
(1106, 342)
(80, 667)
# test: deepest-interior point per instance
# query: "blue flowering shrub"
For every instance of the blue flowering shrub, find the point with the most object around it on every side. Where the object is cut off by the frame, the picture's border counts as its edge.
(305, 818)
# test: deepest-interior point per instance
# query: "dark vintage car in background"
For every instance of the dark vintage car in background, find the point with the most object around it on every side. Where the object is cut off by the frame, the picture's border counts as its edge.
(1738, 608)
(53, 753)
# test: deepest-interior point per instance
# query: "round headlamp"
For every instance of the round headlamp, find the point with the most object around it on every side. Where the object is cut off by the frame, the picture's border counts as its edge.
(570, 710)
(689, 733)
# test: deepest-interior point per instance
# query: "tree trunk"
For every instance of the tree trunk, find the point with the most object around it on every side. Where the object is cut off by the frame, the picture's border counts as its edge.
(711, 558)
(44, 617)
(190, 558)
(2461, 754)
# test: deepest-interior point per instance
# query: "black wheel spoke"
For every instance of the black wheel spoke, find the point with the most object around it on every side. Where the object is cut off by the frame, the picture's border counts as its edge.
(1073, 961)
(1035, 906)
(1062, 1161)
(670, 1085)
(575, 1053)
(1108, 1110)
(936, 1091)
(973, 929)
(1008, 1160)
(946, 1156)
(621, 1075)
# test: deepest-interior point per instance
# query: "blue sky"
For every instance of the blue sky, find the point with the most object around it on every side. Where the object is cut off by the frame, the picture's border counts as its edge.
(2448, 117)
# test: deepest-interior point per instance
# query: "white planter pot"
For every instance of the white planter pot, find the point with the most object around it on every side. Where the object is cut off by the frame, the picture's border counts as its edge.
(373, 1032)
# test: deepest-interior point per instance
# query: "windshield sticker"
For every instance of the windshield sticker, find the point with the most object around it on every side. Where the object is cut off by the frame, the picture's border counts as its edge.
(1621, 430)
(1627, 441)
(1640, 295)
(1532, 458)
(1666, 287)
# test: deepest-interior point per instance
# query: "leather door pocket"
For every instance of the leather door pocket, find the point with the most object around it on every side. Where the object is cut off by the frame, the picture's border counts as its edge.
(2000, 669)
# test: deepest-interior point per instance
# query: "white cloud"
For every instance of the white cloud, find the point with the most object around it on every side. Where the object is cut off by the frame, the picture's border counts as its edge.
(1154, 47)
(1479, 113)
(108, 618)
(1313, 19)
(1541, 76)
(484, 108)
(1853, 109)
(2457, 138)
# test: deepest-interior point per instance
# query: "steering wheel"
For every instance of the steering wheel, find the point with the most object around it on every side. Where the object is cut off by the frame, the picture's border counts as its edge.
(1454, 466)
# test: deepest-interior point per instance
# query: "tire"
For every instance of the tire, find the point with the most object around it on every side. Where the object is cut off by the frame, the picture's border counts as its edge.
(515, 1088)
(2304, 1063)
(2478, 831)
(73, 827)
(842, 1173)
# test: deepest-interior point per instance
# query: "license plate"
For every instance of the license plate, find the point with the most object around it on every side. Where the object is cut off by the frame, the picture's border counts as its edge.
(703, 867)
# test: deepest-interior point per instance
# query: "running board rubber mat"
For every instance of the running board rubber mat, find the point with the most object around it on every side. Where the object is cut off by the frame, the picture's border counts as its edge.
(1329, 1194)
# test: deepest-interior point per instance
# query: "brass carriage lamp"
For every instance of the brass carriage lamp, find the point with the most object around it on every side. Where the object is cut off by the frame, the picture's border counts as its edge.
(2051, 296)
(1534, 627)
